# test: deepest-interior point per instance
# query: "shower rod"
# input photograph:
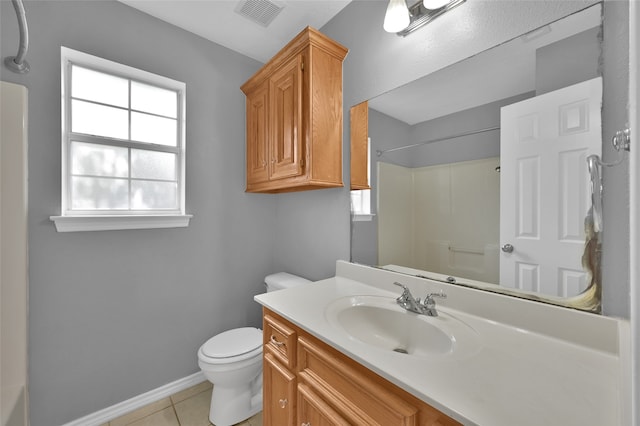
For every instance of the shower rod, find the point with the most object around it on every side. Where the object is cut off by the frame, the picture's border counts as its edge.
(474, 132)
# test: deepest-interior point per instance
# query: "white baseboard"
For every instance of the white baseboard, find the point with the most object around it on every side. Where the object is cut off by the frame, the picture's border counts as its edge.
(105, 415)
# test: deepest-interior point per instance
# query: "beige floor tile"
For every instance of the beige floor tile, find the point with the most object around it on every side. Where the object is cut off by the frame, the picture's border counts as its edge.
(166, 417)
(256, 420)
(194, 411)
(188, 393)
(141, 412)
(253, 421)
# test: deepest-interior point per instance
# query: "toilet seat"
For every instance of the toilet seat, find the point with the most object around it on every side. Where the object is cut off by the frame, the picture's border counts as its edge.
(232, 346)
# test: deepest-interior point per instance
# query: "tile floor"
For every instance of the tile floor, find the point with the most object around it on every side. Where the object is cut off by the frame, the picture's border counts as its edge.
(187, 408)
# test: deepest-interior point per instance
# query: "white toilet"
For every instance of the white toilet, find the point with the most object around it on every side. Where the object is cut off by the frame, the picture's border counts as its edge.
(232, 361)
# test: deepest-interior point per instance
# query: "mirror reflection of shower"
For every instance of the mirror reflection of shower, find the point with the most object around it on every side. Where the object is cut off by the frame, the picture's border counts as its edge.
(441, 218)
(18, 63)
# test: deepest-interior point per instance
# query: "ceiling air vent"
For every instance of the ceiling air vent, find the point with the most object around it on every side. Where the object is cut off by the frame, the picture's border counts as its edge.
(262, 12)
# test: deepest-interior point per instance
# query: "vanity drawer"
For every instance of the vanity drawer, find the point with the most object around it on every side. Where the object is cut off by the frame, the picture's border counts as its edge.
(281, 339)
(359, 398)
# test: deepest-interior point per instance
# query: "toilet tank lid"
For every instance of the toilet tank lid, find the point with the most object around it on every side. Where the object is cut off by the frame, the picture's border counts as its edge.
(233, 342)
(282, 280)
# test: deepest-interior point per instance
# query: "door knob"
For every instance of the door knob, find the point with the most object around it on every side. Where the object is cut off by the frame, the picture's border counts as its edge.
(507, 248)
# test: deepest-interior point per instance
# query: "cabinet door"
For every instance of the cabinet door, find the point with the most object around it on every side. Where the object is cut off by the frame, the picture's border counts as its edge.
(359, 119)
(286, 121)
(257, 134)
(279, 393)
(313, 411)
(359, 396)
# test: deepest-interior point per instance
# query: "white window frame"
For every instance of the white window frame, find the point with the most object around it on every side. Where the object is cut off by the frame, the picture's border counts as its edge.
(361, 198)
(90, 220)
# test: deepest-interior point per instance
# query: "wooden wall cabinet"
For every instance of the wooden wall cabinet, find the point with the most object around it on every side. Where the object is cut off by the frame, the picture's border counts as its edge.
(359, 131)
(294, 117)
(307, 382)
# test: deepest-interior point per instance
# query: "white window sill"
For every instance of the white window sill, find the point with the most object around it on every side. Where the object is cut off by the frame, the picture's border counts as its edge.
(111, 223)
(360, 217)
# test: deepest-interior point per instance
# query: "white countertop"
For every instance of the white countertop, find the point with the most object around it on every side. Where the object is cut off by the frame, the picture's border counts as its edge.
(517, 377)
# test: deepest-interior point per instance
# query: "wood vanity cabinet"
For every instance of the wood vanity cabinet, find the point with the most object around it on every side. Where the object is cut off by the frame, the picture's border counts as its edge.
(294, 117)
(308, 383)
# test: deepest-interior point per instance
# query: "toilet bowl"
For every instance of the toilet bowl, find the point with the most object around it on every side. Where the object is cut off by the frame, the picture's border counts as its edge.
(232, 361)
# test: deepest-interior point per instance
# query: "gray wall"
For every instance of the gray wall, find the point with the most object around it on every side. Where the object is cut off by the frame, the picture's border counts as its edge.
(568, 61)
(117, 313)
(472, 147)
(615, 72)
(114, 314)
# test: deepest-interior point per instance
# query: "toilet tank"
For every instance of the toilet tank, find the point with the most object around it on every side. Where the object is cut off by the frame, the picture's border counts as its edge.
(282, 280)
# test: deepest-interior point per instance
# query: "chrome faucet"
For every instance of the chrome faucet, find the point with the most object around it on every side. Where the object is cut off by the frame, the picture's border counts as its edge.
(427, 307)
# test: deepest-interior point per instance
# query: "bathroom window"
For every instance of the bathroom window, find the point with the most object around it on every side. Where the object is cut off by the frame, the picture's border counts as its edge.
(361, 205)
(361, 198)
(123, 147)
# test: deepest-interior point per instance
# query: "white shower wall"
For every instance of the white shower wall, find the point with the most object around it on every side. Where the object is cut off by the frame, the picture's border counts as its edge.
(442, 218)
(13, 258)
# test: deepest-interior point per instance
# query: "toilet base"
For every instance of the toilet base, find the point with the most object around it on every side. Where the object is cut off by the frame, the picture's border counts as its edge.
(234, 405)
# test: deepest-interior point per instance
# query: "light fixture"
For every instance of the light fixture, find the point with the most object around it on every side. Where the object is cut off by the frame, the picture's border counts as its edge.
(404, 20)
(434, 4)
(397, 16)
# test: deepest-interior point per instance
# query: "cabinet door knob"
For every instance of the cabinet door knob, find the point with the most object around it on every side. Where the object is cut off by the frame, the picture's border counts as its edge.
(305, 424)
(283, 403)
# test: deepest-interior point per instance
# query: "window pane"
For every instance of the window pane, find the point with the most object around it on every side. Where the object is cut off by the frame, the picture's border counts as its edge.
(153, 165)
(99, 160)
(154, 99)
(361, 201)
(356, 201)
(152, 129)
(146, 195)
(99, 120)
(99, 193)
(366, 201)
(99, 87)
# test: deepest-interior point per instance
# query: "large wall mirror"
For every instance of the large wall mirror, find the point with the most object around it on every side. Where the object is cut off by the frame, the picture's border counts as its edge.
(479, 171)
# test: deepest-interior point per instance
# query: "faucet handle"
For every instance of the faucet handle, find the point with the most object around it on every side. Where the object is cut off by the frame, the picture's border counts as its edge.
(406, 294)
(441, 294)
(404, 287)
(428, 299)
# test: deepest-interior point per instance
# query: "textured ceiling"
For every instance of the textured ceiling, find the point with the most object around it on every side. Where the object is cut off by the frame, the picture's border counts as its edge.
(217, 21)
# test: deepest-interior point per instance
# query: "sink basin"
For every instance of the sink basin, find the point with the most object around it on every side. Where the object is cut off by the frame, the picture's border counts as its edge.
(379, 322)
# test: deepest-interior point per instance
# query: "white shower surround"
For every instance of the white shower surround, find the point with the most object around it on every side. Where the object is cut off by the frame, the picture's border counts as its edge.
(452, 223)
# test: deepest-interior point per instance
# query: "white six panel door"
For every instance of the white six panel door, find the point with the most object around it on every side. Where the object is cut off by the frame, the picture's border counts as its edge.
(545, 188)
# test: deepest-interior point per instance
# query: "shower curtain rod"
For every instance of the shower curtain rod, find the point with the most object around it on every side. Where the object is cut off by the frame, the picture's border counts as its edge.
(488, 129)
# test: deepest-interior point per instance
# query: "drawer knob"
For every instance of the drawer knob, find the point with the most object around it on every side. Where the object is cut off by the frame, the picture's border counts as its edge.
(306, 424)
(275, 341)
(283, 403)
